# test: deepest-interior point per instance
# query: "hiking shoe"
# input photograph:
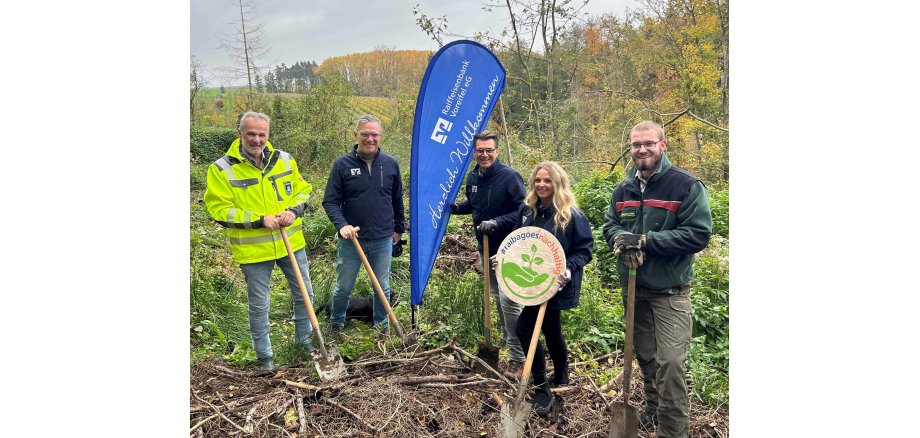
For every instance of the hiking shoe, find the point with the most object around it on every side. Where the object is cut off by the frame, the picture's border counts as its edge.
(543, 400)
(514, 370)
(647, 421)
(266, 364)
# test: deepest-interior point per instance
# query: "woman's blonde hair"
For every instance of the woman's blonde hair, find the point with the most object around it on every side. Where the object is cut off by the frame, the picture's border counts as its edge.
(563, 198)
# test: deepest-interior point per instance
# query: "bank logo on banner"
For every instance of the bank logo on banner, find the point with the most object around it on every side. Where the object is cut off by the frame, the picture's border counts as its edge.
(439, 130)
(461, 85)
(530, 259)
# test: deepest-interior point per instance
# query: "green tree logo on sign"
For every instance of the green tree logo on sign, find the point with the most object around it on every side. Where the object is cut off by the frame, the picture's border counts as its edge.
(525, 276)
(530, 259)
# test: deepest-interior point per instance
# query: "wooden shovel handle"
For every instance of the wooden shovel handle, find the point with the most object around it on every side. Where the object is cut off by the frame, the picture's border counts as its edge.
(303, 291)
(533, 342)
(630, 320)
(486, 287)
(377, 287)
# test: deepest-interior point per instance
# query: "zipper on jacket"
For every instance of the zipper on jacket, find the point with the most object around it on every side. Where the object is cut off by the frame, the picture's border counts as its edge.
(275, 186)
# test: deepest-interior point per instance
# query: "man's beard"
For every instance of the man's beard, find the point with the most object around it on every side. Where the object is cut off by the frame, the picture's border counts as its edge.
(649, 167)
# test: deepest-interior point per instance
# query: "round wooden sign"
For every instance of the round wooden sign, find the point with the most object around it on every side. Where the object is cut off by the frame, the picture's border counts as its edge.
(529, 260)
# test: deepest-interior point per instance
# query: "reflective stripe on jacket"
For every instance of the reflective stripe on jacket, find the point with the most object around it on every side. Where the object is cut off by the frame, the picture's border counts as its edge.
(239, 195)
(674, 215)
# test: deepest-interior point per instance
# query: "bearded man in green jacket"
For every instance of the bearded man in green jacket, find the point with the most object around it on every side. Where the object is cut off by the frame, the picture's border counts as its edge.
(659, 217)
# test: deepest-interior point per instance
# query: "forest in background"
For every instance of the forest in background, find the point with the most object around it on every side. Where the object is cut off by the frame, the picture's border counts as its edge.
(573, 101)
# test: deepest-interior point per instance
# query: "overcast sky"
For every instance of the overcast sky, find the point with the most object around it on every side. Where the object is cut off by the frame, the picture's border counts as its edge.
(313, 30)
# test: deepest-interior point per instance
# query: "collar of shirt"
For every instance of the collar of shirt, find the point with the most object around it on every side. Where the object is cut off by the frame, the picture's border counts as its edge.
(246, 156)
(642, 181)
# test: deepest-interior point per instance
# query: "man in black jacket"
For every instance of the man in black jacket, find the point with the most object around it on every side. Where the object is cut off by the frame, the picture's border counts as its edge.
(494, 192)
(364, 190)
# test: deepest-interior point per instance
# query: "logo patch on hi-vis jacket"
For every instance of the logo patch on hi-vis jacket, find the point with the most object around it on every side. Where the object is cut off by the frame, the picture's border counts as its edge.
(287, 187)
(530, 259)
(355, 171)
(628, 214)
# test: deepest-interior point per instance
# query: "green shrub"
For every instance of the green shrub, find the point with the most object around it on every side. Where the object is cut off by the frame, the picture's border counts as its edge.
(718, 203)
(593, 195)
(597, 325)
(709, 294)
(707, 376)
(209, 143)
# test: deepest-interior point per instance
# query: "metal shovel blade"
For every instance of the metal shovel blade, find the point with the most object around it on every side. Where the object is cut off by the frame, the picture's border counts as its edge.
(514, 415)
(624, 421)
(329, 366)
(328, 363)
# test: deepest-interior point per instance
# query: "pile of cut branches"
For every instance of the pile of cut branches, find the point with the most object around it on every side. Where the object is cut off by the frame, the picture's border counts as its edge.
(441, 392)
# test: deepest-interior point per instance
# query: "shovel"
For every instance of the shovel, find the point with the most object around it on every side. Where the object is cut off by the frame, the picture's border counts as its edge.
(514, 415)
(624, 421)
(328, 362)
(487, 351)
(383, 298)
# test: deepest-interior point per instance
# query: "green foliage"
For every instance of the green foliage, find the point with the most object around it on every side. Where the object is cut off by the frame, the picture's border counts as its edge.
(453, 309)
(709, 294)
(593, 194)
(209, 143)
(706, 374)
(199, 176)
(313, 127)
(596, 326)
(718, 203)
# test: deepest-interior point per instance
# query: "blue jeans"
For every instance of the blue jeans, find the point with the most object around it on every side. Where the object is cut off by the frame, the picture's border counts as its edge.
(508, 312)
(379, 253)
(257, 284)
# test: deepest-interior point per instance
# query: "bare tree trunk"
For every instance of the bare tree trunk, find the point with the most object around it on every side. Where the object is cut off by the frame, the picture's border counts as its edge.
(724, 29)
(548, 23)
(529, 81)
(246, 54)
(501, 112)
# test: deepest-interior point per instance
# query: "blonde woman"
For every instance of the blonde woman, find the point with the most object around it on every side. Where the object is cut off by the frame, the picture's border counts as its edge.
(550, 204)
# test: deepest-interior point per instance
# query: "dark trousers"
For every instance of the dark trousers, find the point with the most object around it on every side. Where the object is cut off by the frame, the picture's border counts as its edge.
(662, 333)
(552, 331)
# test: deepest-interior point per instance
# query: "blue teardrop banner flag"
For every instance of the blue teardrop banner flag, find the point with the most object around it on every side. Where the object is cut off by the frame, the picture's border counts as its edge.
(459, 90)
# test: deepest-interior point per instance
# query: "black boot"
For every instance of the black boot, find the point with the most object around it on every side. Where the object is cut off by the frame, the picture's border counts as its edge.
(543, 399)
(559, 378)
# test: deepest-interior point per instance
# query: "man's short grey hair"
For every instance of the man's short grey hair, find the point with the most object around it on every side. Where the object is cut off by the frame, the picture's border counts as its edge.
(367, 118)
(649, 125)
(253, 114)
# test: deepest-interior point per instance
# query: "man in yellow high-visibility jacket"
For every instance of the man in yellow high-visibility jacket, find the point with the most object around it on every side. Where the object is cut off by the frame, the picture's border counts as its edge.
(254, 190)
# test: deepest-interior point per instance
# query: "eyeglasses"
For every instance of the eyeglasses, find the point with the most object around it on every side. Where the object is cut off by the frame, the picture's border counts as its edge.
(369, 134)
(646, 145)
(485, 151)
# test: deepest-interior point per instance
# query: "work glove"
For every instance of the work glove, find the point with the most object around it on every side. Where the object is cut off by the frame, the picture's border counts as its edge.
(628, 241)
(564, 278)
(398, 247)
(633, 258)
(488, 226)
(494, 261)
(453, 208)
